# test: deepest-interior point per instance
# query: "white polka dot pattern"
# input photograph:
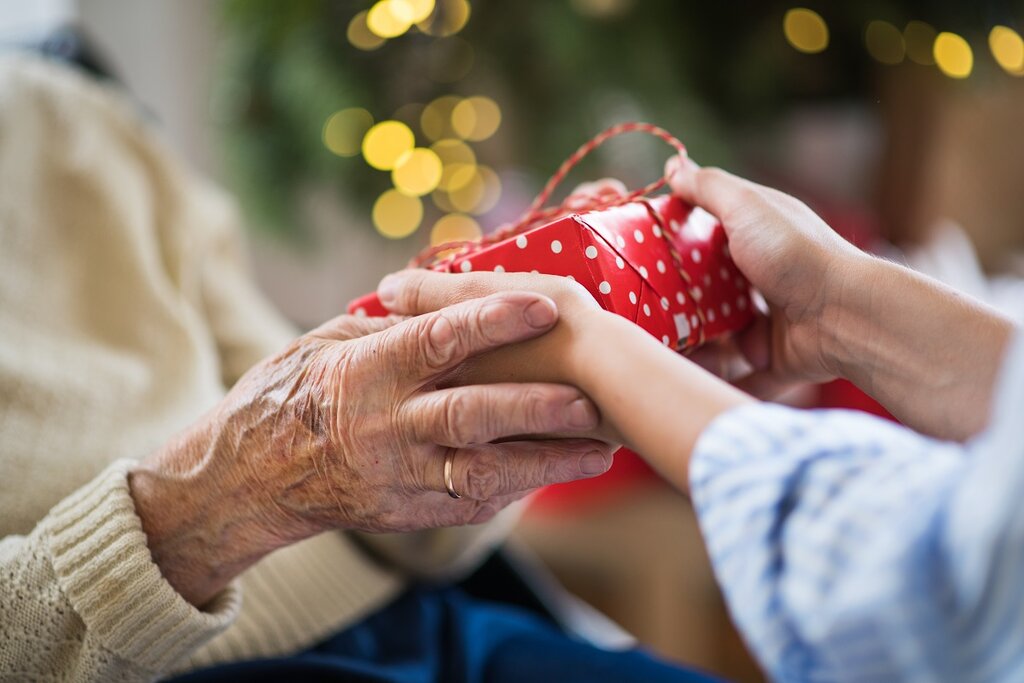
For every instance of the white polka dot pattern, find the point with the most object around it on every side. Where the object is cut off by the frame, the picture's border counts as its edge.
(672, 276)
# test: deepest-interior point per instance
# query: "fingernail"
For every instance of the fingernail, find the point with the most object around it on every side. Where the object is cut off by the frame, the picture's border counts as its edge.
(581, 414)
(593, 463)
(541, 314)
(387, 290)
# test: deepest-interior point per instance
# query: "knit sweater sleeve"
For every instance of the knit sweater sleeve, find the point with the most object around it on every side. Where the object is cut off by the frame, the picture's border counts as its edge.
(82, 599)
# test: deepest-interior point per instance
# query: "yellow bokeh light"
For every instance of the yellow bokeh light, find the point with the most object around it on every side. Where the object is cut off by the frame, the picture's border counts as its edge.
(442, 201)
(454, 227)
(805, 30)
(454, 155)
(449, 18)
(344, 130)
(385, 143)
(417, 172)
(396, 215)
(1008, 49)
(436, 119)
(953, 55)
(476, 118)
(360, 35)
(478, 189)
(919, 37)
(884, 42)
(390, 18)
(421, 9)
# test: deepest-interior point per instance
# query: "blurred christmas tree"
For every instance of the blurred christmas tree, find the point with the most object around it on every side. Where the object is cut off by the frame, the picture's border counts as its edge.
(445, 114)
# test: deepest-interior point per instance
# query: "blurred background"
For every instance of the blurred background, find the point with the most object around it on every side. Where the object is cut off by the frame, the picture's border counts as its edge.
(355, 133)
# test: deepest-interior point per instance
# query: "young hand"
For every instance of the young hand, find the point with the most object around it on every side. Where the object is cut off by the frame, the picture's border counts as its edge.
(926, 352)
(797, 262)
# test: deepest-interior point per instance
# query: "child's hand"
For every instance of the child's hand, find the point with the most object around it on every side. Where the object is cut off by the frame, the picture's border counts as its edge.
(549, 358)
(793, 258)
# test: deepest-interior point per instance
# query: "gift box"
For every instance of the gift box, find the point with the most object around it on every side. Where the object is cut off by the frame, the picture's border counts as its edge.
(657, 261)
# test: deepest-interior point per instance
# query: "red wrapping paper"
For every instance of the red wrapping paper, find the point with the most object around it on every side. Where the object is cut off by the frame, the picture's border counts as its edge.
(658, 262)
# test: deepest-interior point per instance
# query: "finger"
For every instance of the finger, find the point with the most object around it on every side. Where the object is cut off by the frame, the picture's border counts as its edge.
(430, 344)
(417, 291)
(717, 191)
(489, 471)
(476, 414)
(345, 327)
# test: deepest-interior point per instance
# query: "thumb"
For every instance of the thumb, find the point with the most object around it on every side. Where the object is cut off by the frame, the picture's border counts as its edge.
(716, 191)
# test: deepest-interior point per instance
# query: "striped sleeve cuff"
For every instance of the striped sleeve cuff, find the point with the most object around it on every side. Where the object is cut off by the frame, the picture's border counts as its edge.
(105, 569)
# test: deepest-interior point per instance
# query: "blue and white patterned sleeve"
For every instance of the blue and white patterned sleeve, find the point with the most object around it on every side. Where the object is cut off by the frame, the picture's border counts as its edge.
(853, 549)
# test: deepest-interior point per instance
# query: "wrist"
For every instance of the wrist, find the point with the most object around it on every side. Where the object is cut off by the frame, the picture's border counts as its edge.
(201, 527)
(844, 323)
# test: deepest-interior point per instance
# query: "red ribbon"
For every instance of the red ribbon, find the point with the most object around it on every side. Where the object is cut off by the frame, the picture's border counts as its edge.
(537, 213)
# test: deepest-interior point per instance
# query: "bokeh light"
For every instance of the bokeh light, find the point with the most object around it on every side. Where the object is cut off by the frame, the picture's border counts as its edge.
(478, 189)
(390, 18)
(344, 130)
(953, 55)
(1008, 49)
(476, 118)
(454, 227)
(919, 37)
(884, 42)
(397, 215)
(805, 30)
(360, 35)
(417, 172)
(385, 143)
(436, 119)
(421, 9)
(454, 156)
(449, 18)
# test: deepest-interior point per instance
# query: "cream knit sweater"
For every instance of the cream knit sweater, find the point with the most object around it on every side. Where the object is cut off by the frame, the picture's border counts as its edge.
(125, 310)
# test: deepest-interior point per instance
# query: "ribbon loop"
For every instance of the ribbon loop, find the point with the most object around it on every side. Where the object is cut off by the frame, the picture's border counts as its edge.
(537, 212)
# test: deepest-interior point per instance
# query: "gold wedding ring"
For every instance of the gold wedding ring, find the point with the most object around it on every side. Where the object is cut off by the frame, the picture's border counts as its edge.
(448, 474)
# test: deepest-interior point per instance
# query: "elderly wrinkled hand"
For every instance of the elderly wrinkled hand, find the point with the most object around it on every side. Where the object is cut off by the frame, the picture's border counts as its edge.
(350, 427)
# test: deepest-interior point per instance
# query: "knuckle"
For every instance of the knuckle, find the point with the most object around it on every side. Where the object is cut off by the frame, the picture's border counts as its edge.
(538, 406)
(411, 291)
(484, 478)
(488, 319)
(462, 418)
(438, 340)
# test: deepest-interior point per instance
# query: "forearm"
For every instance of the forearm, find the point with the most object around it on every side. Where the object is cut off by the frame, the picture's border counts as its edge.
(929, 354)
(658, 402)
